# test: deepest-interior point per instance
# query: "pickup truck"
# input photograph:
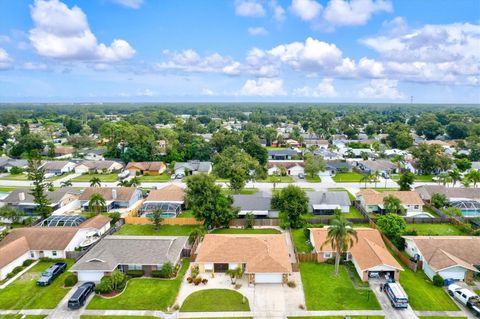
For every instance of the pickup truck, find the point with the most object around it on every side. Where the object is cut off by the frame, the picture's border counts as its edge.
(51, 273)
(466, 298)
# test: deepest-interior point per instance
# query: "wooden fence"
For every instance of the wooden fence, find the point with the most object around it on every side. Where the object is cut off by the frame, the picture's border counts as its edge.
(305, 257)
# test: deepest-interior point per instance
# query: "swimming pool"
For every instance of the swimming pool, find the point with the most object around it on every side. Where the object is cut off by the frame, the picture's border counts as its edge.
(471, 212)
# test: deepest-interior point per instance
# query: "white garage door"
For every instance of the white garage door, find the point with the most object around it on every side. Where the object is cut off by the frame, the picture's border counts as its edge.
(90, 276)
(268, 278)
(454, 273)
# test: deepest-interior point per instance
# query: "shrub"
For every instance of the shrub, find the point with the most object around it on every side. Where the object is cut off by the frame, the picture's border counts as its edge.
(16, 170)
(17, 269)
(204, 281)
(237, 286)
(135, 273)
(70, 280)
(46, 259)
(197, 281)
(291, 284)
(306, 231)
(105, 285)
(115, 216)
(301, 307)
(330, 261)
(195, 271)
(167, 270)
(27, 262)
(189, 280)
(438, 280)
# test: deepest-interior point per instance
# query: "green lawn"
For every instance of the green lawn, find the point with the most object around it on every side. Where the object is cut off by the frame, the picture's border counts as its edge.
(314, 179)
(22, 317)
(154, 178)
(350, 177)
(418, 178)
(10, 189)
(144, 294)
(186, 214)
(116, 317)
(422, 294)
(326, 291)
(24, 293)
(244, 191)
(339, 317)
(435, 229)
(215, 300)
(103, 177)
(302, 245)
(24, 177)
(278, 179)
(165, 230)
(246, 231)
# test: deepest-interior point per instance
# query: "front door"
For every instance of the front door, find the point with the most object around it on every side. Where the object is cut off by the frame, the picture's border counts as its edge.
(220, 267)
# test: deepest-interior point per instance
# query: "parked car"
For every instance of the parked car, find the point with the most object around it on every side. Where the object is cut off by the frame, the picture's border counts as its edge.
(466, 297)
(398, 297)
(79, 297)
(51, 273)
(301, 176)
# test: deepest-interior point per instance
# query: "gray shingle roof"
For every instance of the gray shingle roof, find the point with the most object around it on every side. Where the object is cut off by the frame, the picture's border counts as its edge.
(14, 197)
(329, 198)
(131, 250)
(252, 202)
(194, 166)
(282, 152)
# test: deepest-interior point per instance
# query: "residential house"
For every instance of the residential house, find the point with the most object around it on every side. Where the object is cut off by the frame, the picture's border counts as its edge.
(263, 258)
(452, 193)
(22, 199)
(192, 167)
(452, 257)
(384, 167)
(259, 205)
(321, 144)
(6, 163)
(146, 168)
(327, 155)
(335, 167)
(356, 152)
(169, 200)
(281, 155)
(116, 198)
(372, 201)
(369, 254)
(325, 203)
(38, 242)
(94, 154)
(55, 168)
(98, 167)
(145, 253)
(293, 168)
(63, 151)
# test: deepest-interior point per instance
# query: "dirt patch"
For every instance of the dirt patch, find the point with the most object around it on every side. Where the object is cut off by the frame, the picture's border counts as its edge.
(29, 276)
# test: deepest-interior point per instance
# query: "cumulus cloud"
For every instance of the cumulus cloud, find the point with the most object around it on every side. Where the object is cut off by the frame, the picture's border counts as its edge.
(207, 92)
(307, 10)
(353, 12)
(6, 61)
(61, 32)
(324, 89)
(381, 89)
(146, 93)
(263, 87)
(35, 66)
(249, 8)
(257, 31)
(278, 11)
(190, 61)
(133, 4)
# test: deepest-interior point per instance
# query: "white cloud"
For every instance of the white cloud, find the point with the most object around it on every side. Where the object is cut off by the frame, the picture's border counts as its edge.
(370, 68)
(381, 89)
(64, 33)
(5, 60)
(278, 11)
(257, 31)
(133, 4)
(190, 61)
(207, 92)
(307, 10)
(146, 93)
(353, 12)
(324, 89)
(249, 8)
(263, 87)
(35, 66)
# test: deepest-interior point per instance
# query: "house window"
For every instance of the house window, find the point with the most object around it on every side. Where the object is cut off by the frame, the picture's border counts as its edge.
(327, 255)
(54, 253)
(134, 267)
(416, 206)
(32, 255)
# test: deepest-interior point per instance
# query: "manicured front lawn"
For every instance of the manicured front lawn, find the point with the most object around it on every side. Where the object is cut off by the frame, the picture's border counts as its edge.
(144, 294)
(116, 317)
(350, 177)
(154, 178)
(302, 244)
(418, 178)
(103, 177)
(422, 294)
(278, 179)
(16, 177)
(326, 291)
(339, 317)
(435, 229)
(314, 179)
(244, 191)
(246, 231)
(10, 189)
(215, 300)
(165, 230)
(24, 293)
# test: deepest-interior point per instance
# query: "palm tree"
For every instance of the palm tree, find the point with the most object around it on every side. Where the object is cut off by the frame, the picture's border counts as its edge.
(234, 274)
(374, 177)
(474, 177)
(67, 183)
(95, 182)
(365, 178)
(196, 234)
(444, 178)
(123, 183)
(97, 203)
(135, 182)
(455, 175)
(392, 205)
(341, 236)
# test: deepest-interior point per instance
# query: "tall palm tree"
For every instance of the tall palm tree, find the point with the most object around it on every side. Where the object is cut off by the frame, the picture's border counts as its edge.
(374, 177)
(135, 182)
(341, 236)
(455, 175)
(67, 183)
(97, 203)
(392, 205)
(444, 178)
(95, 182)
(474, 177)
(365, 178)
(234, 274)
(123, 183)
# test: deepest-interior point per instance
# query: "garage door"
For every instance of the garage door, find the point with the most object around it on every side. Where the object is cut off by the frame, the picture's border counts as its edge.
(90, 276)
(267, 278)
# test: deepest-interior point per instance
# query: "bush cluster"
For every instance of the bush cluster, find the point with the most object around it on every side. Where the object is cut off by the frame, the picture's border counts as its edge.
(70, 280)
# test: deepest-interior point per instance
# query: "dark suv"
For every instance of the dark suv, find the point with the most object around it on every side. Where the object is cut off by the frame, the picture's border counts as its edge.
(78, 299)
(51, 273)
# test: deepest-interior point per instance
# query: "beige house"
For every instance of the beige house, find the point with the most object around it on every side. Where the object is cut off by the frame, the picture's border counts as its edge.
(372, 201)
(263, 258)
(369, 254)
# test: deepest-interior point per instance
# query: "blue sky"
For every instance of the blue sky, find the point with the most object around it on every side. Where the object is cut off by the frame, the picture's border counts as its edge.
(240, 50)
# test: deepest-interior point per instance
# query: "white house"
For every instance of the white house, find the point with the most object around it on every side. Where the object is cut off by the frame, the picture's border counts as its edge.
(293, 168)
(54, 168)
(372, 201)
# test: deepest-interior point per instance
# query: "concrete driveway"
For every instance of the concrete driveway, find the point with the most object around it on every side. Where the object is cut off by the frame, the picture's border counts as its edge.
(269, 301)
(390, 312)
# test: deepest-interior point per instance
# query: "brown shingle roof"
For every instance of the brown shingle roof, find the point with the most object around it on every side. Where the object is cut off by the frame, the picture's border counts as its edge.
(372, 197)
(286, 164)
(123, 193)
(96, 222)
(441, 252)
(260, 253)
(42, 238)
(170, 193)
(147, 166)
(370, 250)
(12, 250)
